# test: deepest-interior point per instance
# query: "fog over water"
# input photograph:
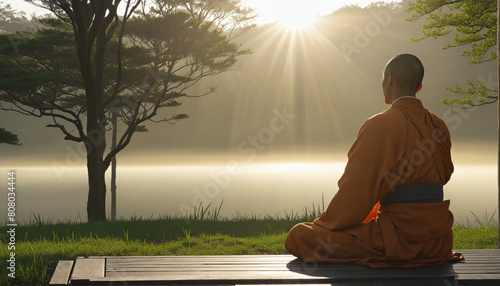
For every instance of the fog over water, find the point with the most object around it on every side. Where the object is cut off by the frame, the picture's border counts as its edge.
(243, 189)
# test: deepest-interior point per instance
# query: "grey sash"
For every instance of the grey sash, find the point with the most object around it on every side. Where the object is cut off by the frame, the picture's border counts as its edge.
(415, 193)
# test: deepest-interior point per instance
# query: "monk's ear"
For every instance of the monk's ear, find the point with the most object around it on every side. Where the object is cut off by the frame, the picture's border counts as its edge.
(390, 79)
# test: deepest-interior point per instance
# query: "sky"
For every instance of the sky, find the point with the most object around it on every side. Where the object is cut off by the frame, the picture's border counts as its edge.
(321, 75)
(268, 10)
(272, 10)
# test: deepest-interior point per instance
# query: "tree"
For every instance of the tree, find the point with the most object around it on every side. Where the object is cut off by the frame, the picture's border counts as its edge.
(477, 25)
(11, 21)
(475, 22)
(8, 138)
(122, 64)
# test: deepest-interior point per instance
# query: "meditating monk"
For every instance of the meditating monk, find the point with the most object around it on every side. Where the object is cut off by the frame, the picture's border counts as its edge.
(400, 160)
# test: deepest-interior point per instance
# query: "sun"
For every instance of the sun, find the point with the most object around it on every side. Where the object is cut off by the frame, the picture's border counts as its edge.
(293, 15)
(296, 19)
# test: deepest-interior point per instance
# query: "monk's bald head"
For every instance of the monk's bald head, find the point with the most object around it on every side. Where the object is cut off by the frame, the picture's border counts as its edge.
(407, 70)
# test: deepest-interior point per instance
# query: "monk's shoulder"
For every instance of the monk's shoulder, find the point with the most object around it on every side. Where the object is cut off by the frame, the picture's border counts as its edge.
(439, 124)
(436, 118)
(390, 120)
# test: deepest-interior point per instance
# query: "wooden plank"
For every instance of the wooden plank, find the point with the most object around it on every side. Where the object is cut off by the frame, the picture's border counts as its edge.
(470, 254)
(341, 268)
(61, 273)
(270, 278)
(244, 259)
(86, 269)
(323, 273)
(277, 275)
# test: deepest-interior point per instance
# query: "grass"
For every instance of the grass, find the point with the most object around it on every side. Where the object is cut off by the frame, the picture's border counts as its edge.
(475, 238)
(40, 244)
(483, 233)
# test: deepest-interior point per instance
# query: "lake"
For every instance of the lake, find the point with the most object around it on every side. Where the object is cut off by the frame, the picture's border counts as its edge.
(243, 189)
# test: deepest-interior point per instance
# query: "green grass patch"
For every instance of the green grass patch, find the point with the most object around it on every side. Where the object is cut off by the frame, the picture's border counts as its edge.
(475, 238)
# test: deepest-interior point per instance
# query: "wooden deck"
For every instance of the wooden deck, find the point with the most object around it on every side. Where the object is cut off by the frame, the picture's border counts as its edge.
(481, 267)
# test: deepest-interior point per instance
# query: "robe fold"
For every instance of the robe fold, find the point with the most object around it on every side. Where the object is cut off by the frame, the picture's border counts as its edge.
(403, 145)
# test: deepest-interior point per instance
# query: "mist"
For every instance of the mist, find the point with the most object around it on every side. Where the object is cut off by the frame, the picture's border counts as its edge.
(260, 189)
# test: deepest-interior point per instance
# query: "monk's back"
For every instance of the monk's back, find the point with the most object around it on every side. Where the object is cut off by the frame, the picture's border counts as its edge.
(426, 155)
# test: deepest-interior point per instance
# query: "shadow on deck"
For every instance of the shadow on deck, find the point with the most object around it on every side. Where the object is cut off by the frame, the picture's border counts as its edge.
(480, 267)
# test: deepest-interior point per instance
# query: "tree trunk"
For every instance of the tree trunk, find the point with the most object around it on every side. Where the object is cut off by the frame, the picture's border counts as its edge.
(113, 166)
(96, 146)
(96, 203)
(96, 167)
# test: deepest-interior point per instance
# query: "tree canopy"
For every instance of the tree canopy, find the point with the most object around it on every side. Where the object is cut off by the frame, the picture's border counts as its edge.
(10, 20)
(475, 24)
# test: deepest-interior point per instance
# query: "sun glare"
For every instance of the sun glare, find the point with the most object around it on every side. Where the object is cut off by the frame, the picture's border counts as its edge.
(295, 17)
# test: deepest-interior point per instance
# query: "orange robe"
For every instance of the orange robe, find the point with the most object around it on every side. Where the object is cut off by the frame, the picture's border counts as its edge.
(403, 145)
